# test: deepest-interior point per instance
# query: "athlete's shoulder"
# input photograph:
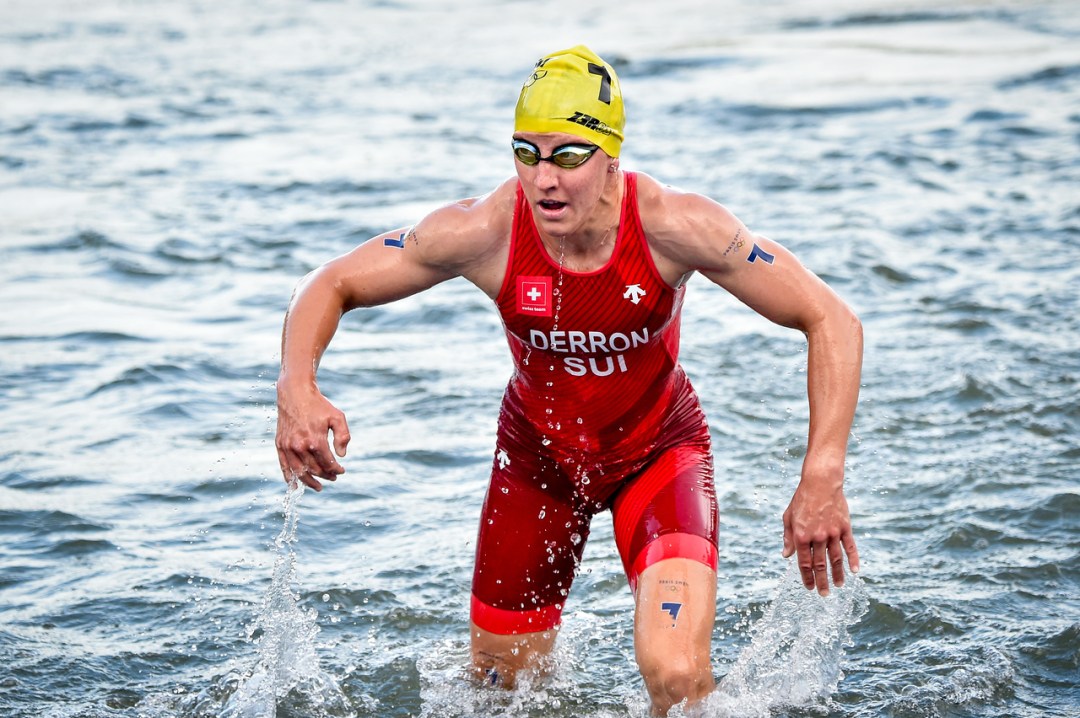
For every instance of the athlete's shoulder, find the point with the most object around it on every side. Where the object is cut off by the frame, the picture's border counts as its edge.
(681, 226)
(467, 230)
(665, 208)
(479, 215)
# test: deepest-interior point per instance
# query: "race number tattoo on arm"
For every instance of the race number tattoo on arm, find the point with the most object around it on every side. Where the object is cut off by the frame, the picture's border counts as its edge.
(758, 253)
(400, 241)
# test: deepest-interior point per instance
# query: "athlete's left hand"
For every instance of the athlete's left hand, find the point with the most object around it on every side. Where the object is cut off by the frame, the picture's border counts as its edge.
(817, 527)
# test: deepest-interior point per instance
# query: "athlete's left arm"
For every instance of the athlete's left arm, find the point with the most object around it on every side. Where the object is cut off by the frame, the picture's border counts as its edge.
(704, 236)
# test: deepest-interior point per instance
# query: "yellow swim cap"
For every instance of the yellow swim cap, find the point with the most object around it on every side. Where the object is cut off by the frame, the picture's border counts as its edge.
(576, 92)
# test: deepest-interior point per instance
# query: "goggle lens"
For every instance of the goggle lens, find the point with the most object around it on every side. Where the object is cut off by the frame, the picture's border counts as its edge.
(565, 156)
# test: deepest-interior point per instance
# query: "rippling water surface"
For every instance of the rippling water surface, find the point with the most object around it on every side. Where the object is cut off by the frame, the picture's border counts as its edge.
(169, 170)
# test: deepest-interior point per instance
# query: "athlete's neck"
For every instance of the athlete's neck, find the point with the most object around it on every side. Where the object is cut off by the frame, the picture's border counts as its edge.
(594, 242)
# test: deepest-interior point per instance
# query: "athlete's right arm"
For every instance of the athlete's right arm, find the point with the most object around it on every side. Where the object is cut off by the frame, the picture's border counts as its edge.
(461, 239)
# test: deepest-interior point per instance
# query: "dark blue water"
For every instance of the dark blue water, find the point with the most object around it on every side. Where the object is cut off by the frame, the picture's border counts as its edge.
(168, 171)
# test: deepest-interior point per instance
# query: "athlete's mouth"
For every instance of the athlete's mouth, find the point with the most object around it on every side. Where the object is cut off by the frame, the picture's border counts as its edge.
(550, 204)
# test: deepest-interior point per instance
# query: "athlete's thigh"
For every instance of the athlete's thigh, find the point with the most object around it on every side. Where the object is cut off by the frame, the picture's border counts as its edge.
(669, 510)
(675, 608)
(529, 547)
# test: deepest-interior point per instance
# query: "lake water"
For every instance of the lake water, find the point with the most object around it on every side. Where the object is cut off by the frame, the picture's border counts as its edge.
(169, 170)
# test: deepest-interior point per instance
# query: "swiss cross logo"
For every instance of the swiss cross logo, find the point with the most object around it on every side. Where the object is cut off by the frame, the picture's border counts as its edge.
(534, 296)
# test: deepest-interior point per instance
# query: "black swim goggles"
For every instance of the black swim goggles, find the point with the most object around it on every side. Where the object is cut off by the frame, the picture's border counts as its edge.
(565, 156)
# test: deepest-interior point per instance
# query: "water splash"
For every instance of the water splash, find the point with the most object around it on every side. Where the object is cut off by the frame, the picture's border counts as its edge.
(554, 688)
(795, 651)
(793, 660)
(288, 673)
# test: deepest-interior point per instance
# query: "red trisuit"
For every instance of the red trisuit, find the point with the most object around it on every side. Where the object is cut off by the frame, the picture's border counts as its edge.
(597, 415)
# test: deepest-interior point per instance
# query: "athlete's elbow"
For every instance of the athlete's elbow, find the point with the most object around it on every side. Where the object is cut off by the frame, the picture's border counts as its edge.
(856, 328)
(850, 325)
(834, 319)
(323, 289)
(844, 332)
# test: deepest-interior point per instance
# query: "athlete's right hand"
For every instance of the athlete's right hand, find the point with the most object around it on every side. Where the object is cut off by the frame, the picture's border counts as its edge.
(305, 418)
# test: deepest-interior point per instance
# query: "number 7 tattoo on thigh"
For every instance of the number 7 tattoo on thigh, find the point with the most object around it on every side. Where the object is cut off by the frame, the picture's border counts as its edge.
(672, 609)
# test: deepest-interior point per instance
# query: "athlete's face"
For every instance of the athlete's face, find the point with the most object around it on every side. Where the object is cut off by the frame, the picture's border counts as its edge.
(564, 200)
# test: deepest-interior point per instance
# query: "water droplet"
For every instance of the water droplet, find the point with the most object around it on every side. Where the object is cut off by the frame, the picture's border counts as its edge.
(542, 514)
(575, 538)
(505, 490)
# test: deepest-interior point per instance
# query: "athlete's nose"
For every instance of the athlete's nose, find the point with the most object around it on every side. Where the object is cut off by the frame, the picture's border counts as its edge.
(547, 176)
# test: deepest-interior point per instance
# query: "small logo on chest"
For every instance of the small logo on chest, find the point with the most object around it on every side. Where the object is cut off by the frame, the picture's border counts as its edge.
(634, 293)
(534, 296)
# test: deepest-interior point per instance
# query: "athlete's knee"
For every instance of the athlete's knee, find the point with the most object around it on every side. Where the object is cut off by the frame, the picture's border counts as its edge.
(494, 669)
(498, 660)
(673, 679)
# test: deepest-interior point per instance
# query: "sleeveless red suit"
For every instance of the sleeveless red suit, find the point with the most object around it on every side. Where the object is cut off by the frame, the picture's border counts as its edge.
(598, 414)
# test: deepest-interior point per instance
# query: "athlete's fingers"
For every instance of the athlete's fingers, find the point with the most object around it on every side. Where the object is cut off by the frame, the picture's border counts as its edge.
(836, 559)
(806, 564)
(286, 464)
(340, 427)
(305, 478)
(325, 466)
(293, 470)
(789, 542)
(848, 541)
(821, 567)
